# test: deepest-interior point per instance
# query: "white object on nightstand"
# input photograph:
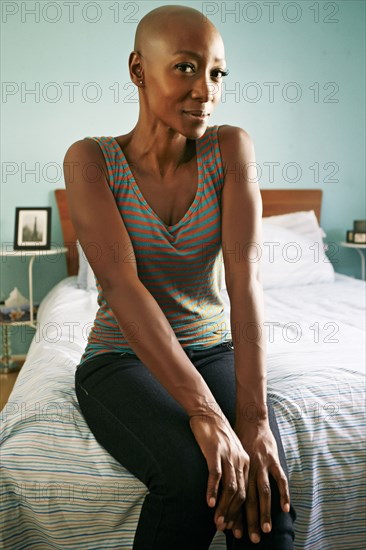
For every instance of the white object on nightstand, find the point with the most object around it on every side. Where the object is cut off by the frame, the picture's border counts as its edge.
(6, 363)
(359, 248)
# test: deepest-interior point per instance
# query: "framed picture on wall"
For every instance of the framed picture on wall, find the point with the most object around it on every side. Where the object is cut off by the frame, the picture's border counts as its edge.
(32, 228)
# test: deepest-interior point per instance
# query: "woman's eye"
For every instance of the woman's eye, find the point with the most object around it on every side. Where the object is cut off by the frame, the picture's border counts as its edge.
(219, 73)
(188, 68)
(184, 66)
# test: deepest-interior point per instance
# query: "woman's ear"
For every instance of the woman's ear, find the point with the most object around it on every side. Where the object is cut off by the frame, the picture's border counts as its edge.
(135, 68)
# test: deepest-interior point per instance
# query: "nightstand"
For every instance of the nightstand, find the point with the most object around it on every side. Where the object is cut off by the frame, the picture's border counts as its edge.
(7, 381)
(359, 248)
(8, 362)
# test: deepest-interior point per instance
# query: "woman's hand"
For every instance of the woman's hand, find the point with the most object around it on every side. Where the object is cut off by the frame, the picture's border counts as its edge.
(227, 461)
(261, 447)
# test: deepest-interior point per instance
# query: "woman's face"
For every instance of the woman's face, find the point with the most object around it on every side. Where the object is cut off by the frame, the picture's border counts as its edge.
(182, 74)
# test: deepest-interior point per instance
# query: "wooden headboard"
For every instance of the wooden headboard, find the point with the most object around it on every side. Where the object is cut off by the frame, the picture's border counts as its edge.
(275, 202)
(68, 232)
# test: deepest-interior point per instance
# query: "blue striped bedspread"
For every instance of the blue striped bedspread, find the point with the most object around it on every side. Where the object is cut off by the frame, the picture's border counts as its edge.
(61, 490)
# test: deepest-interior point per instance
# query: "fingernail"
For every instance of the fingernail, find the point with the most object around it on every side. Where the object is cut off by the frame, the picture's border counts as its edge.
(221, 519)
(255, 537)
(266, 527)
(237, 533)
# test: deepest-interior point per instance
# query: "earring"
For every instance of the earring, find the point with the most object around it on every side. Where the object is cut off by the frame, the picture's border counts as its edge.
(140, 81)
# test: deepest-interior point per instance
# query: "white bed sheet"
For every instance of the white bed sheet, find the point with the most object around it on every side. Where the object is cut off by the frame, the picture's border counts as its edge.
(60, 489)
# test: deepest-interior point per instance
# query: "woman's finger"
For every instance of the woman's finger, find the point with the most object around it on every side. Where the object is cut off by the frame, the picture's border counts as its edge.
(229, 489)
(251, 507)
(238, 499)
(282, 483)
(237, 528)
(264, 492)
(204, 429)
(236, 507)
(214, 476)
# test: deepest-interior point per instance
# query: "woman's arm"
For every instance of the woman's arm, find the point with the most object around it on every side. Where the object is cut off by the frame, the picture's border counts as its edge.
(242, 248)
(103, 234)
(242, 245)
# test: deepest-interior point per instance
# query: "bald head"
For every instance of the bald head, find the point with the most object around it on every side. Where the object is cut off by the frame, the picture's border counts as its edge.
(178, 53)
(164, 22)
(177, 64)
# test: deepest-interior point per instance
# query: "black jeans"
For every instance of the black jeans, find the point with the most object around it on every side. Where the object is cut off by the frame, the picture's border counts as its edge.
(147, 431)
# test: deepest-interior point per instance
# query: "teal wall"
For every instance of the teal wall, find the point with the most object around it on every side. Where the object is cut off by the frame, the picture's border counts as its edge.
(311, 131)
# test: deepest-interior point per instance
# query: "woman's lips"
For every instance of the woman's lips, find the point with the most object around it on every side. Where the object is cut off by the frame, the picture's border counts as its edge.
(196, 115)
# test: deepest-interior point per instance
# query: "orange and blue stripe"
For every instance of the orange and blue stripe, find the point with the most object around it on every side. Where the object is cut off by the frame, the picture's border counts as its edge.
(180, 264)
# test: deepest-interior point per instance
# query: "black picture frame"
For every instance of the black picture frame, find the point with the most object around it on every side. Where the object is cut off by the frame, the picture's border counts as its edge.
(32, 229)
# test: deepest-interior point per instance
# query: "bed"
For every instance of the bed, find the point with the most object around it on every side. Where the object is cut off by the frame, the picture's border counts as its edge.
(61, 490)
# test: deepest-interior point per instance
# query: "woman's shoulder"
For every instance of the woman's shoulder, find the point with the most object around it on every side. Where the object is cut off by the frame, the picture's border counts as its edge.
(232, 141)
(86, 150)
(228, 134)
(87, 144)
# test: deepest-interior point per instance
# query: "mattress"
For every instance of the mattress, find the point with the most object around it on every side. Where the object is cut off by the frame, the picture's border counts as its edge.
(61, 489)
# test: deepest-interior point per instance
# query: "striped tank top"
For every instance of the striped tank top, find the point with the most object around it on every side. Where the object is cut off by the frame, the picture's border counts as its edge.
(180, 265)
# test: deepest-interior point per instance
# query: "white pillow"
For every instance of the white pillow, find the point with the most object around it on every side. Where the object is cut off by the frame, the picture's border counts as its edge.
(293, 251)
(290, 259)
(86, 277)
(304, 222)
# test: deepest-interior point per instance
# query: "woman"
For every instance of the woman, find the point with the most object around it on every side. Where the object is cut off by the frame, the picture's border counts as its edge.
(161, 384)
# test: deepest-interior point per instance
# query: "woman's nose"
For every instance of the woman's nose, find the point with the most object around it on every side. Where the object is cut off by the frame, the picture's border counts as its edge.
(204, 90)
